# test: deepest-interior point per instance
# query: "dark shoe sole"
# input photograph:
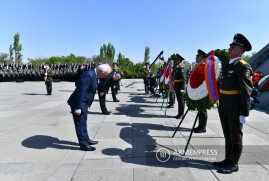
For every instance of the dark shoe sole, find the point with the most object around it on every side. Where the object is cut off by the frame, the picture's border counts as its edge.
(227, 172)
(88, 149)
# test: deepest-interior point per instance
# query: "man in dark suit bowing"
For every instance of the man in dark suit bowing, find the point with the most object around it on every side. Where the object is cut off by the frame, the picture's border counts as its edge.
(81, 99)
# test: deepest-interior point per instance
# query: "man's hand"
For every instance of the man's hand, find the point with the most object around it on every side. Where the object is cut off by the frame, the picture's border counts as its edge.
(101, 94)
(77, 111)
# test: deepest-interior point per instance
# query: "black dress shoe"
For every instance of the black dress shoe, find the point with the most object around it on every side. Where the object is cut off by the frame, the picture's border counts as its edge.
(200, 130)
(106, 113)
(179, 116)
(197, 128)
(222, 163)
(87, 148)
(91, 142)
(229, 168)
(116, 100)
(170, 106)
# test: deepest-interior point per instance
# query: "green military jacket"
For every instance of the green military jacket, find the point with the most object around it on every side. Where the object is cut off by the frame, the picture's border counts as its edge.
(146, 72)
(49, 75)
(236, 87)
(179, 79)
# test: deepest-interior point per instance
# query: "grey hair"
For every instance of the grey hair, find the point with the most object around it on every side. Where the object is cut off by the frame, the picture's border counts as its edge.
(118, 75)
(105, 68)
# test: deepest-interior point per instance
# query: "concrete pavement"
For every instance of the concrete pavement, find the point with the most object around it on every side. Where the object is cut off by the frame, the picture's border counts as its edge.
(38, 140)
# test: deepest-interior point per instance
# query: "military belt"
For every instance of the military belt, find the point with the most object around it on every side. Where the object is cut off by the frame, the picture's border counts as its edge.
(178, 80)
(230, 92)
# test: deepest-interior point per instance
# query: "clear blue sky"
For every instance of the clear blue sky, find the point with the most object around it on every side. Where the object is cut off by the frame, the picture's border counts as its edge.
(60, 27)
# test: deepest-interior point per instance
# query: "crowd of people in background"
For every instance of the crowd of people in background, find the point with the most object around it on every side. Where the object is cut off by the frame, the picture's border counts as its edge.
(27, 72)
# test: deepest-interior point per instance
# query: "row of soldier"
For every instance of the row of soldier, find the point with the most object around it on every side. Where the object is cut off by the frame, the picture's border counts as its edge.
(63, 72)
(17, 66)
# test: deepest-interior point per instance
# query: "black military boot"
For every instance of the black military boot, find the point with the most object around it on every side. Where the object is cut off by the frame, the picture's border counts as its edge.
(229, 168)
(221, 164)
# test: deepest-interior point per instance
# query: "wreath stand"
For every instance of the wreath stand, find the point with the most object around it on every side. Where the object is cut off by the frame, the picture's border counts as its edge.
(189, 139)
(168, 95)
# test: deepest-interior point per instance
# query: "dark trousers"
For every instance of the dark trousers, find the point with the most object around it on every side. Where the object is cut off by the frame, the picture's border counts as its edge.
(202, 119)
(232, 130)
(172, 98)
(180, 101)
(152, 89)
(114, 92)
(49, 86)
(81, 128)
(102, 101)
(146, 83)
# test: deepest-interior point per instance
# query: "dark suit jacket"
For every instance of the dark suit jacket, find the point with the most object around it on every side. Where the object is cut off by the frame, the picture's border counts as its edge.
(84, 93)
(106, 83)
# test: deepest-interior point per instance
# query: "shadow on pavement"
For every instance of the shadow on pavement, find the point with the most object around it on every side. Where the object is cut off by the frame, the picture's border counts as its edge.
(43, 141)
(145, 150)
(135, 110)
(33, 94)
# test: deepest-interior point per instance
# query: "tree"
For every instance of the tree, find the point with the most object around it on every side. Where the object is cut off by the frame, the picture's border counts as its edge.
(107, 53)
(247, 57)
(3, 57)
(17, 47)
(11, 58)
(146, 56)
(120, 58)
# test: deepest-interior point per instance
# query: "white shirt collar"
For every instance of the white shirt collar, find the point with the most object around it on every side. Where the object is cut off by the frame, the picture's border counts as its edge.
(234, 59)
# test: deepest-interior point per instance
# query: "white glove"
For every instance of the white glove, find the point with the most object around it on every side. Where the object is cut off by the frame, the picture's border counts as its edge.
(181, 90)
(243, 119)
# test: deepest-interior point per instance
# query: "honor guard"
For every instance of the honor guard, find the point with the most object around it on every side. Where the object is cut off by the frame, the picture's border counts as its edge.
(202, 116)
(234, 102)
(146, 74)
(179, 86)
(48, 79)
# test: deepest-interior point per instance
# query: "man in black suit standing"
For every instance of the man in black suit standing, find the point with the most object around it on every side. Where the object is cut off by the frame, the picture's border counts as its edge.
(81, 99)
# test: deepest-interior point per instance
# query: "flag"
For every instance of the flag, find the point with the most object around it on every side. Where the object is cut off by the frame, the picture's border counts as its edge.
(210, 78)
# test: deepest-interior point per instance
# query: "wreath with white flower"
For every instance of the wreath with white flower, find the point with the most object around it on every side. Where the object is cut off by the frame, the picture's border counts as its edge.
(196, 96)
(263, 83)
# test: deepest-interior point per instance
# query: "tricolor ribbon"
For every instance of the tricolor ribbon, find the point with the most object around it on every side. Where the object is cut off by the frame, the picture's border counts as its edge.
(210, 78)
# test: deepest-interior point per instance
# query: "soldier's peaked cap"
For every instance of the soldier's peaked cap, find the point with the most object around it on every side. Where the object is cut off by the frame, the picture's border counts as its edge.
(179, 57)
(146, 63)
(242, 41)
(200, 53)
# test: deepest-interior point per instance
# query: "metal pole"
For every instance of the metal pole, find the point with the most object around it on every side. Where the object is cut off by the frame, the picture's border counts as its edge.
(180, 123)
(168, 97)
(190, 134)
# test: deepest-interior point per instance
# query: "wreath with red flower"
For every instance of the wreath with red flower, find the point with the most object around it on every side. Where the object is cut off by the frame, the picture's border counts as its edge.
(196, 96)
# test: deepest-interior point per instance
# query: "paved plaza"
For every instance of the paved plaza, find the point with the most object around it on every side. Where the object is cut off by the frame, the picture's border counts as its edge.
(38, 140)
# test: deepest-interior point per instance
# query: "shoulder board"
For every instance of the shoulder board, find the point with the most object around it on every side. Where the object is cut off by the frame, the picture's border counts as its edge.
(243, 61)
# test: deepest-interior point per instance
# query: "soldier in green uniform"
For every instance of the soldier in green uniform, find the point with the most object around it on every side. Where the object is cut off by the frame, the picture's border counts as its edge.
(234, 102)
(146, 73)
(179, 86)
(48, 79)
(202, 116)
